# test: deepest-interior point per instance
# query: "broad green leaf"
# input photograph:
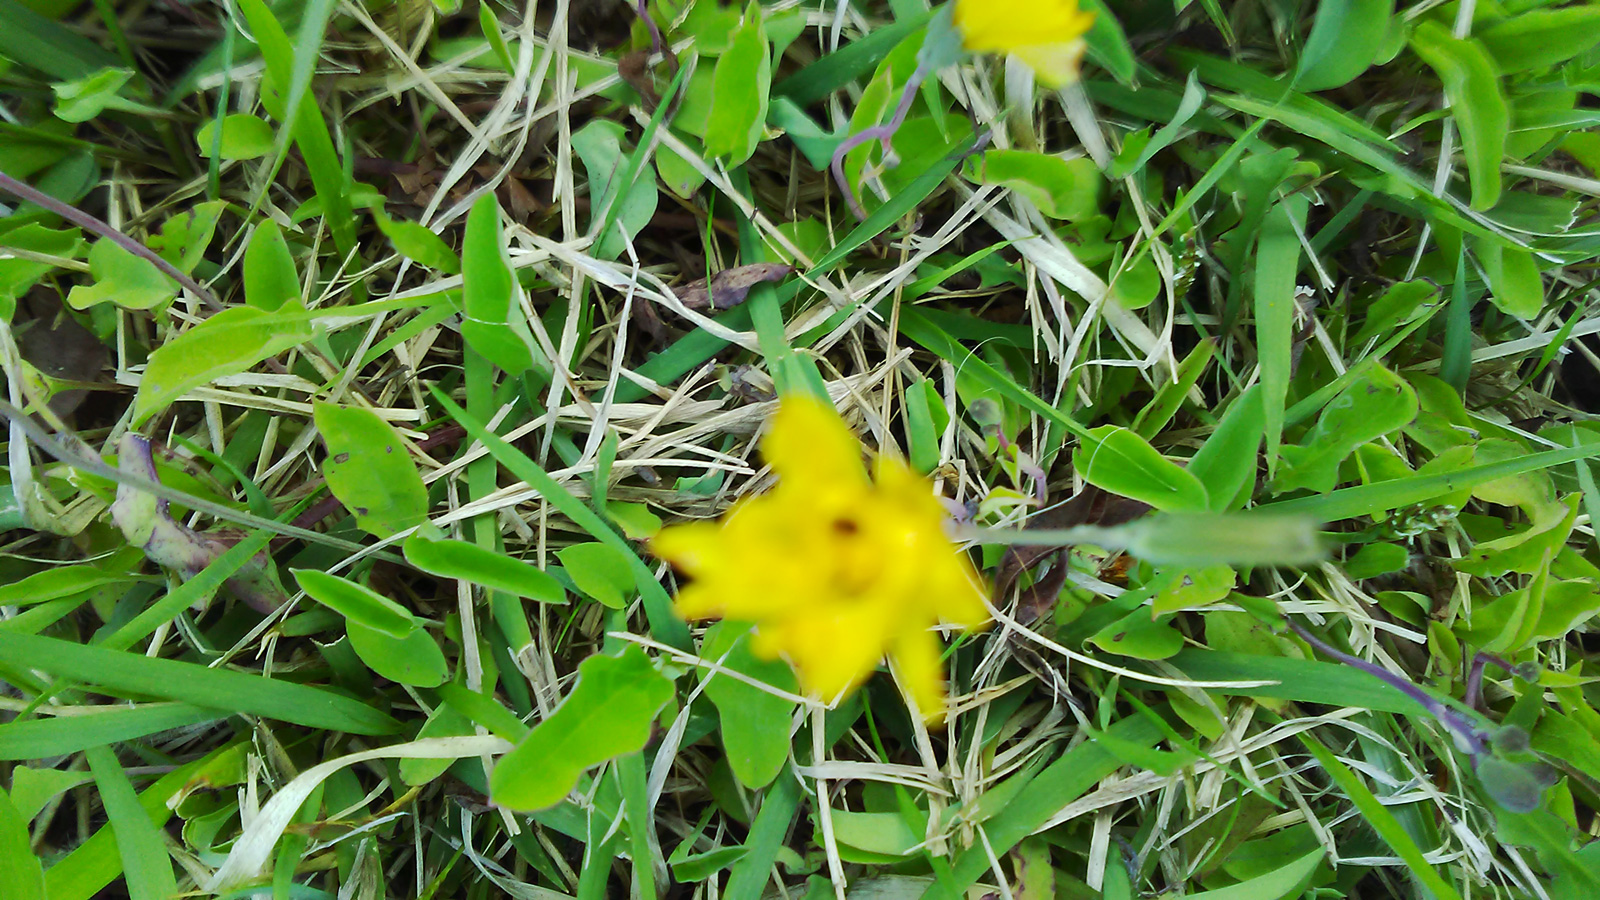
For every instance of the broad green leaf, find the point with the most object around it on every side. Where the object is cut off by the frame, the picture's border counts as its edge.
(1515, 284)
(122, 674)
(32, 789)
(1375, 404)
(225, 344)
(128, 281)
(270, 276)
(1108, 43)
(419, 243)
(739, 92)
(600, 571)
(493, 324)
(184, 237)
(1122, 462)
(145, 863)
(469, 562)
(1061, 188)
(369, 469)
(1346, 38)
(21, 872)
(676, 173)
(1226, 462)
(629, 207)
(608, 714)
(356, 602)
(51, 584)
(1540, 38)
(243, 137)
(413, 659)
(755, 723)
(1140, 637)
(1473, 89)
(84, 98)
(1377, 559)
(446, 721)
(873, 837)
(1279, 884)
(635, 519)
(1275, 287)
(18, 275)
(1191, 588)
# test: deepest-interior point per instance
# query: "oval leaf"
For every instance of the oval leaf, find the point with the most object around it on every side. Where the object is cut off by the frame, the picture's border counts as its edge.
(1479, 108)
(225, 344)
(357, 603)
(369, 470)
(1122, 462)
(469, 562)
(608, 714)
(270, 278)
(413, 659)
(600, 571)
(755, 723)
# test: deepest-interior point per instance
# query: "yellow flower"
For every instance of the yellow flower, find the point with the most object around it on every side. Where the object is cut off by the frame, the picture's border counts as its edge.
(1047, 35)
(835, 570)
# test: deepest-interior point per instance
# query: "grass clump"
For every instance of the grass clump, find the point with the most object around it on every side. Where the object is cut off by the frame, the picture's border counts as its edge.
(356, 352)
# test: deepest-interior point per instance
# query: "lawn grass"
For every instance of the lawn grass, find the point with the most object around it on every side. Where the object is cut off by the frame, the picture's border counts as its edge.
(355, 351)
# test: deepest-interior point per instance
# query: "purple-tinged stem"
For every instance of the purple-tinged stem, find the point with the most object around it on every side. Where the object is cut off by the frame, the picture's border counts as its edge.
(657, 45)
(883, 133)
(1469, 737)
(96, 226)
(1475, 676)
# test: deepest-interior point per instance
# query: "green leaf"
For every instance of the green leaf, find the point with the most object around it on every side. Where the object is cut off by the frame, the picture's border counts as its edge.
(184, 237)
(1279, 884)
(1373, 405)
(61, 735)
(1061, 188)
(135, 674)
(755, 723)
(1473, 89)
(600, 571)
(1120, 461)
(270, 276)
(1373, 560)
(446, 721)
(225, 344)
(131, 282)
(356, 602)
(628, 206)
(1276, 282)
(419, 243)
(1540, 38)
(32, 789)
(84, 98)
(608, 714)
(369, 469)
(145, 863)
(492, 323)
(1140, 637)
(469, 562)
(1346, 38)
(21, 872)
(63, 581)
(1515, 285)
(413, 659)
(1226, 462)
(739, 92)
(243, 137)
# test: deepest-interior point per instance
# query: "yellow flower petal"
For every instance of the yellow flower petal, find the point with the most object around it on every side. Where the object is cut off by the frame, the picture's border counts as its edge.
(810, 447)
(1005, 25)
(1054, 65)
(831, 654)
(916, 660)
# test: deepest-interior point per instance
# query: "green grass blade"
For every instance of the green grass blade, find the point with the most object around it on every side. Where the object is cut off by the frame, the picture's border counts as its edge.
(145, 863)
(135, 674)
